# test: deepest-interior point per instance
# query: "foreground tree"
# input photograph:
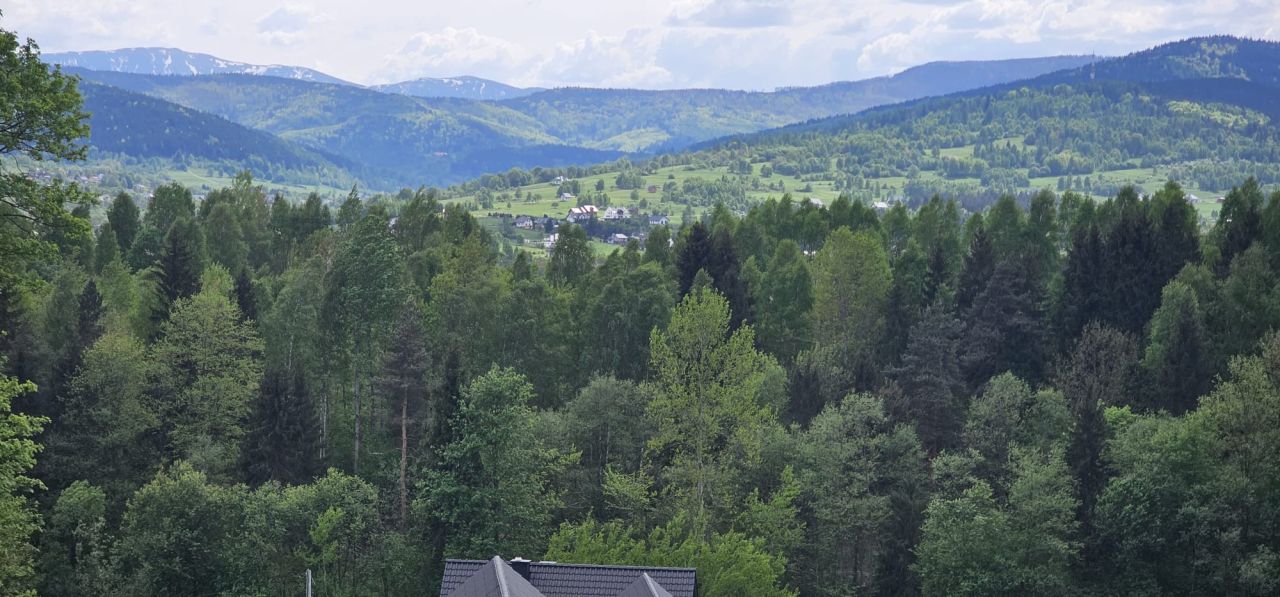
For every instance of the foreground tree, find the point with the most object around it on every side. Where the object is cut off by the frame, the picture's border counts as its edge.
(715, 396)
(18, 520)
(492, 490)
(42, 120)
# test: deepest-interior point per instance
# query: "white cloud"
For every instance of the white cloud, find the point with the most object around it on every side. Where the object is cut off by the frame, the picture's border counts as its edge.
(752, 44)
(450, 52)
(736, 13)
(289, 24)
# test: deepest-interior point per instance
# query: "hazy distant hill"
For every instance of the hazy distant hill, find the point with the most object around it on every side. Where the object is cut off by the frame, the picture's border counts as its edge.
(640, 120)
(143, 127)
(407, 141)
(172, 61)
(1205, 106)
(457, 87)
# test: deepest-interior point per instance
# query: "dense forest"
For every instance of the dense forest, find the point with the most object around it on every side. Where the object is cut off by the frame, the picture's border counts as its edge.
(210, 397)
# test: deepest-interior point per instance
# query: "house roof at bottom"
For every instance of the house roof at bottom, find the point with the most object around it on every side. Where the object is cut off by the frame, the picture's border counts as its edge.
(645, 586)
(495, 579)
(578, 580)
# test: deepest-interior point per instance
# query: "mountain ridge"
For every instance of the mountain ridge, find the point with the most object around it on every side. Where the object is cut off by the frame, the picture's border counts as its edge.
(178, 62)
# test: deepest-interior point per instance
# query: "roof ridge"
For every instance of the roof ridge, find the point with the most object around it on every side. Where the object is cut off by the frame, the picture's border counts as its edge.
(499, 567)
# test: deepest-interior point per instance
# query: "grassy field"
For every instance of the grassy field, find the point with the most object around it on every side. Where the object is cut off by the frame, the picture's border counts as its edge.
(541, 199)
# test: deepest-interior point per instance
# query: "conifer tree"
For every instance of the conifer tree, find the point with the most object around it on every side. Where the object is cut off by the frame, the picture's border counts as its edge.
(1176, 358)
(283, 439)
(979, 264)
(125, 220)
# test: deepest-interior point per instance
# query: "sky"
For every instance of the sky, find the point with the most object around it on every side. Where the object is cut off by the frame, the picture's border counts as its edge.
(738, 44)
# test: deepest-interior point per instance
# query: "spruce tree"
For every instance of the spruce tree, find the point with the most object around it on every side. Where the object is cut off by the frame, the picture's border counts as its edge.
(283, 442)
(404, 383)
(1005, 328)
(179, 268)
(979, 264)
(1176, 359)
(693, 254)
(125, 220)
(930, 380)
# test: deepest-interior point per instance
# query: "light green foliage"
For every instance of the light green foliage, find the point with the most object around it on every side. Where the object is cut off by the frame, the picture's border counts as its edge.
(729, 564)
(110, 418)
(1027, 542)
(74, 557)
(854, 469)
(42, 121)
(851, 280)
(18, 520)
(783, 299)
(493, 489)
(715, 397)
(208, 367)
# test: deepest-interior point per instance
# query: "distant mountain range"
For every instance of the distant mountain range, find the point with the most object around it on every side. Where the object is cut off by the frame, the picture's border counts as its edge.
(172, 61)
(457, 87)
(397, 138)
(1204, 98)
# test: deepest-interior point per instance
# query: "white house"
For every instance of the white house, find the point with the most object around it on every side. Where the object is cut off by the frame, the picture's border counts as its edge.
(618, 239)
(658, 220)
(524, 222)
(581, 213)
(616, 213)
(549, 242)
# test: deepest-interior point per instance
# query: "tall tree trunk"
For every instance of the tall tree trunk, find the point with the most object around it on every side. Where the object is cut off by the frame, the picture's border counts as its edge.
(404, 459)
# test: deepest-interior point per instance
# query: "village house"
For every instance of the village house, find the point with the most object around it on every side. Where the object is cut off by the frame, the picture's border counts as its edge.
(581, 213)
(524, 222)
(658, 220)
(618, 238)
(616, 213)
(549, 242)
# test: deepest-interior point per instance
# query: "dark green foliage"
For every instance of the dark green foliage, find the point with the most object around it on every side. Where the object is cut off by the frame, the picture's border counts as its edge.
(693, 254)
(979, 264)
(930, 380)
(1101, 371)
(1005, 328)
(180, 264)
(1239, 223)
(283, 439)
(1176, 359)
(125, 220)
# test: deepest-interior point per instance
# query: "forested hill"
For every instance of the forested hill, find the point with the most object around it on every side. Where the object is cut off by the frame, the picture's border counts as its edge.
(144, 127)
(394, 140)
(413, 141)
(1070, 124)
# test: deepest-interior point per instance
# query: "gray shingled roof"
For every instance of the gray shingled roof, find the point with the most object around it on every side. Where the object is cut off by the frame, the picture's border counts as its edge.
(579, 580)
(645, 586)
(495, 579)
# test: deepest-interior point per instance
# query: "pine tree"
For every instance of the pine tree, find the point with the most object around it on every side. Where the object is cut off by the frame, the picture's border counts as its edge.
(107, 249)
(283, 442)
(1006, 331)
(404, 382)
(1239, 223)
(1100, 371)
(930, 380)
(979, 264)
(1176, 359)
(125, 220)
(692, 254)
(179, 268)
(1082, 295)
(724, 268)
(244, 296)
